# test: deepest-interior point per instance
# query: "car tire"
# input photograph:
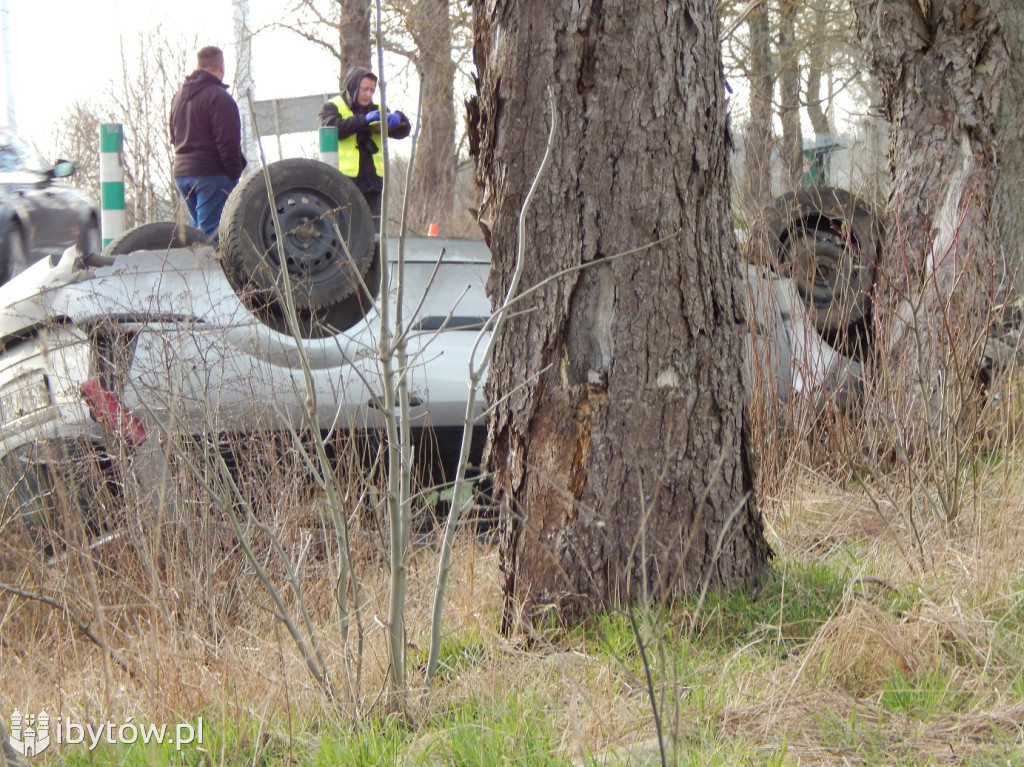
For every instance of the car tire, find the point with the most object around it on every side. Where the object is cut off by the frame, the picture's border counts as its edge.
(159, 235)
(323, 323)
(828, 241)
(326, 234)
(15, 255)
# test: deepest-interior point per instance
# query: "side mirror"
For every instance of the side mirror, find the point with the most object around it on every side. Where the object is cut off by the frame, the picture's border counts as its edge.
(63, 169)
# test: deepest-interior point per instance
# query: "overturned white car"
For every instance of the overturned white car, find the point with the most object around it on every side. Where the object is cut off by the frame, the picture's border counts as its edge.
(104, 356)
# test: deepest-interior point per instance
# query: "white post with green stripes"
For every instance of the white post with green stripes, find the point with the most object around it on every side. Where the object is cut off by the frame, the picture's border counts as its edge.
(111, 181)
(329, 146)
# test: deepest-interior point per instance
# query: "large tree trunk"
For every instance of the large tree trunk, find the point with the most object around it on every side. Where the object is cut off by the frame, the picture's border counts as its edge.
(432, 194)
(621, 448)
(942, 68)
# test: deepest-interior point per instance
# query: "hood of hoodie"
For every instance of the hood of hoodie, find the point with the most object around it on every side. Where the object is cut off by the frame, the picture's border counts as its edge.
(352, 79)
(198, 81)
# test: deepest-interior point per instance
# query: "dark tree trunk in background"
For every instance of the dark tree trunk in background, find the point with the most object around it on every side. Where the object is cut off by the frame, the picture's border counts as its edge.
(621, 449)
(942, 67)
(318, 22)
(789, 95)
(758, 150)
(815, 110)
(432, 194)
(354, 37)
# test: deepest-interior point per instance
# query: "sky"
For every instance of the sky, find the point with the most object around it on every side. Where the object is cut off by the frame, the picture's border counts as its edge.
(64, 51)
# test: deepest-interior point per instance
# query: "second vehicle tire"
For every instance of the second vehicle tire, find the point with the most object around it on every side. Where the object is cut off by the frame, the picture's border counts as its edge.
(828, 241)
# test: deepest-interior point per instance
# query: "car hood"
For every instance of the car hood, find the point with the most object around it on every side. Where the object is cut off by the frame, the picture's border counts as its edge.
(22, 178)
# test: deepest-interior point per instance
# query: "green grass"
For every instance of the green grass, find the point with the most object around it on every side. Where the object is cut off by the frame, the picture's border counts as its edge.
(458, 653)
(924, 698)
(382, 742)
(796, 600)
(476, 733)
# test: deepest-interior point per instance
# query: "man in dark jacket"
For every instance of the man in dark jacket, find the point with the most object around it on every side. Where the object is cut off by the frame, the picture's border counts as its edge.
(206, 132)
(358, 121)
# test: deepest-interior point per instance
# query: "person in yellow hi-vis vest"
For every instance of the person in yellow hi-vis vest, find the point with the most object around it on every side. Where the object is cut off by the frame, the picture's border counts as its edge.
(358, 121)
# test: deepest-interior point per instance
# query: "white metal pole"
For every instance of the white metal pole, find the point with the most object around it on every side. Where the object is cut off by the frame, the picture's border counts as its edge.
(329, 146)
(111, 181)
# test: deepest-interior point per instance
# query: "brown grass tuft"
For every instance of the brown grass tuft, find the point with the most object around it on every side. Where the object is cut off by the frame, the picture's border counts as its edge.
(861, 648)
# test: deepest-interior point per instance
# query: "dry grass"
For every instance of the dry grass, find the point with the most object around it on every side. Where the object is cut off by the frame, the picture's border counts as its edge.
(170, 621)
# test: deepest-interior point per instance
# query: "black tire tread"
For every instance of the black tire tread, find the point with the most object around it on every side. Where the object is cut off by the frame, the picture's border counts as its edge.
(157, 235)
(796, 211)
(243, 220)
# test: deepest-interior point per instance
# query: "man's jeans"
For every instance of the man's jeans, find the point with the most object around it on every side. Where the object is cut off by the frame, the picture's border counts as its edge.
(204, 197)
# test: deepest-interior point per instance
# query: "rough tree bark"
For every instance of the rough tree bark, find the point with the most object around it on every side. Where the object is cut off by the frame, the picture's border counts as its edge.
(942, 67)
(1009, 201)
(621, 449)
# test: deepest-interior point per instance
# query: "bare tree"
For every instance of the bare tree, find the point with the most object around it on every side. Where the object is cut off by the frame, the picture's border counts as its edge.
(619, 437)
(789, 95)
(760, 138)
(432, 193)
(340, 27)
(820, 121)
(77, 139)
(140, 101)
(796, 58)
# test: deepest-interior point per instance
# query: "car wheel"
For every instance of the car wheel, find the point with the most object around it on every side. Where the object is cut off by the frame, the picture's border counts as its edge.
(323, 323)
(325, 240)
(15, 253)
(828, 241)
(159, 235)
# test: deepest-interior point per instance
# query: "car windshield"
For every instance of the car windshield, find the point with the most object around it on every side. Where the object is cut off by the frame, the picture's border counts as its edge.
(16, 154)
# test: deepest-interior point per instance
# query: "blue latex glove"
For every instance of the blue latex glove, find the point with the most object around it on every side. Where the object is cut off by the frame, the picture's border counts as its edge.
(373, 117)
(394, 120)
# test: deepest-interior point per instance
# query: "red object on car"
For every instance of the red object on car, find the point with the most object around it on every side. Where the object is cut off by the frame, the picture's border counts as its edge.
(107, 409)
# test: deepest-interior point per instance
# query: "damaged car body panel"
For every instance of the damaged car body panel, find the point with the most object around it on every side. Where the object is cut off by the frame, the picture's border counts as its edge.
(102, 361)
